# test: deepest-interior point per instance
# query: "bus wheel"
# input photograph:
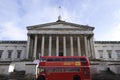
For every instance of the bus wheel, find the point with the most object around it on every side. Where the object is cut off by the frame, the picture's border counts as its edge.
(76, 77)
(41, 78)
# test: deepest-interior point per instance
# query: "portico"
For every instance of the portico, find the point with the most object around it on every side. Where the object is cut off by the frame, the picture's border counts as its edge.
(60, 39)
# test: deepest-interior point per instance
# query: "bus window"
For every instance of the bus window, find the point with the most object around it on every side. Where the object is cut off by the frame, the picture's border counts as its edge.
(57, 70)
(49, 70)
(68, 59)
(83, 60)
(43, 59)
(61, 59)
(42, 70)
(72, 69)
(76, 59)
(67, 69)
(50, 59)
(76, 69)
(57, 59)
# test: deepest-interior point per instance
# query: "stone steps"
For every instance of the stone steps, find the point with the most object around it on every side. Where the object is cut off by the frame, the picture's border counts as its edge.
(106, 75)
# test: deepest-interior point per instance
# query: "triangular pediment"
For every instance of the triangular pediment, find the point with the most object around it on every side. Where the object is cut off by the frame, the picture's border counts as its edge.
(60, 25)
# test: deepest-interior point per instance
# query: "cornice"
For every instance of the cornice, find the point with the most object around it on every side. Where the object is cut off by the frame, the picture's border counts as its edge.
(60, 22)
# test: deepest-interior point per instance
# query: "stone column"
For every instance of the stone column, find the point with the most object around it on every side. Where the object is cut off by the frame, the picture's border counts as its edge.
(92, 47)
(57, 45)
(50, 45)
(86, 46)
(89, 53)
(79, 48)
(42, 46)
(28, 47)
(64, 45)
(35, 46)
(31, 47)
(71, 45)
(105, 56)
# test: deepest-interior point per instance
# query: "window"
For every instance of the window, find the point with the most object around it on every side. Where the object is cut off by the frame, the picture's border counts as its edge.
(68, 59)
(118, 53)
(83, 60)
(72, 69)
(109, 53)
(57, 59)
(49, 69)
(18, 53)
(50, 59)
(58, 70)
(43, 59)
(100, 53)
(9, 53)
(1, 51)
(76, 59)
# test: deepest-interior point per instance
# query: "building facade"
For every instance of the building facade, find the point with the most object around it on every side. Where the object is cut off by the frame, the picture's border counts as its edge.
(107, 50)
(13, 50)
(59, 38)
(17, 50)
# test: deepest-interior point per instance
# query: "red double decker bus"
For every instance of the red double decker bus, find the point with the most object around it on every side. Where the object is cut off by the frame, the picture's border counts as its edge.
(63, 68)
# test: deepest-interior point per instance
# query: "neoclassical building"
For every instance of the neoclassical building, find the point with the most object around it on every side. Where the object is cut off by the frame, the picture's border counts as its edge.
(59, 38)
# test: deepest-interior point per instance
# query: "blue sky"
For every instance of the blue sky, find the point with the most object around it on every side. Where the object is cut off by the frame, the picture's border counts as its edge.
(16, 15)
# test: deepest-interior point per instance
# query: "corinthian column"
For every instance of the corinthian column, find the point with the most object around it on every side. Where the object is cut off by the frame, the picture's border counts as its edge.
(79, 48)
(42, 46)
(71, 45)
(86, 46)
(35, 46)
(64, 45)
(57, 45)
(28, 47)
(50, 45)
(92, 47)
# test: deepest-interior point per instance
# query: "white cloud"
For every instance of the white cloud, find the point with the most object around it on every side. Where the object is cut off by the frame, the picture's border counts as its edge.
(111, 34)
(11, 31)
(19, 15)
(16, 15)
(117, 15)
(115, 33)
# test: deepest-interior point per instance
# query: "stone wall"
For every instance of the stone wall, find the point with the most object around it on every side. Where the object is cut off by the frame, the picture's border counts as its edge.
(30, 69)
(4, 68)
(115, 68)
(98, 66)
(14, 47)
(94, 68)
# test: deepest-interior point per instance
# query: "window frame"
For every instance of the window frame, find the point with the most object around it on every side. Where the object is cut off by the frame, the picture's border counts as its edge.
(100, 53)
(19, 53)
(1, 53)
(10, 53)
(109, 52)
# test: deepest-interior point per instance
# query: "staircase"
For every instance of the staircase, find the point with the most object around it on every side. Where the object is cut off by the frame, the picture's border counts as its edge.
(106, 75)
(17, 75)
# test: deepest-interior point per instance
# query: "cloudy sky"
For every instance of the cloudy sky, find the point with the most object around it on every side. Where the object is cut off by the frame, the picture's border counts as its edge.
(16, 15)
